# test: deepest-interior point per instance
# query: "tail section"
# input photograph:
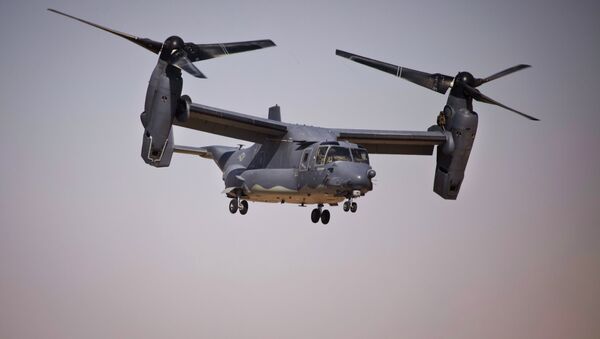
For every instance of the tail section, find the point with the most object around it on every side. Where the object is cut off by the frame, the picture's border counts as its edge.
(220, 154)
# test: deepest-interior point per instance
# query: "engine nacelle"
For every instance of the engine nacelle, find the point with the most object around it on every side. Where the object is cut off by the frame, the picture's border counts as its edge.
(452, 161)
(155, 158)
(163, 99)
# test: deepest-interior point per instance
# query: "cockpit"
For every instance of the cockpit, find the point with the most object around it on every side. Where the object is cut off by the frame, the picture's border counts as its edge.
(330, 153)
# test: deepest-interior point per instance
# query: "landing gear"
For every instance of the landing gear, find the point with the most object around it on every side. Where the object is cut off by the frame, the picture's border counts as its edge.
(243, 207)
(315, 215)
(320, 214)
(350, 205)
(233, 205)
(236, 204)
(325, 216)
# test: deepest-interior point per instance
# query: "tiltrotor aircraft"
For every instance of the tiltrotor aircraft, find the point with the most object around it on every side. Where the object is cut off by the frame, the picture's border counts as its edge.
(291, 163)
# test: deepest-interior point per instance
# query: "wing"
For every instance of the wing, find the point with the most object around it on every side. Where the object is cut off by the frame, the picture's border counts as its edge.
(231, 124)
(394, 142)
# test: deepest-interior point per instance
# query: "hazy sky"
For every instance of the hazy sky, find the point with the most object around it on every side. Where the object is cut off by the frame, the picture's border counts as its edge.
(96, 244)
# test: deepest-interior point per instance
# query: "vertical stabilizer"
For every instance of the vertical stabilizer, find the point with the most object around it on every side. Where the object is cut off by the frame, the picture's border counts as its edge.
(275, 113)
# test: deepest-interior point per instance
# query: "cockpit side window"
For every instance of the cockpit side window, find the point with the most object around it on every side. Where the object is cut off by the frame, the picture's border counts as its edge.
(320, 158)
(304, 159)
(360, 155)
(338, 153)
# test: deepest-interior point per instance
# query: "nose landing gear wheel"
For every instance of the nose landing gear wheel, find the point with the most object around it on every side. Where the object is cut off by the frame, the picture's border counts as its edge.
(243, 207)
(346, 206)
(315, 215)
(233, 206)
(325, 216)
(354, 207)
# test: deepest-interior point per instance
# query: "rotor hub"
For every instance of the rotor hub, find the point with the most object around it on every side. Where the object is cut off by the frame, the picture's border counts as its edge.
(171, 46)
(466, 78)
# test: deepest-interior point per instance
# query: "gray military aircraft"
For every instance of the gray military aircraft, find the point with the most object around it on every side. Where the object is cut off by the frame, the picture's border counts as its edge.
(291, 163)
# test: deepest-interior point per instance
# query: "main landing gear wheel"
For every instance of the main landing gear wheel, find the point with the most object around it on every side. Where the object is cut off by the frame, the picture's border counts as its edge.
(320, 214)
(243, 207)
(350, 205)
(315, 215)
(325, 216)
(233, 206)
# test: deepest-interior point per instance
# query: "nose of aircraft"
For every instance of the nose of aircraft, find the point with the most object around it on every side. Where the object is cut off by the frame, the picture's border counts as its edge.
(352, 176)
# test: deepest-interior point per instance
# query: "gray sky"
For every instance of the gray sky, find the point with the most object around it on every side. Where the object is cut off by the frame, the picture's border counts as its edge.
(85, 252)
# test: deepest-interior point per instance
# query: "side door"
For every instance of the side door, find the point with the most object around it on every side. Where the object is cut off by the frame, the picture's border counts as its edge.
(305, 160)
(315, 174)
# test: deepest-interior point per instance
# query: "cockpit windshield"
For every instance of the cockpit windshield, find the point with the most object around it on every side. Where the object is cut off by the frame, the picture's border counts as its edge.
(326, 154)
(360, 155)
(320, 158)
(338, 153)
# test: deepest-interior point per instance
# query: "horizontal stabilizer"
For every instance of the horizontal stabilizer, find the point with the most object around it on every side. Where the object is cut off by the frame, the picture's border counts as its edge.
(220, 154)
(199, 151)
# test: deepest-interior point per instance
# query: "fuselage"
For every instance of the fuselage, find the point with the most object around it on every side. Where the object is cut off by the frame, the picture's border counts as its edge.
(308, 166)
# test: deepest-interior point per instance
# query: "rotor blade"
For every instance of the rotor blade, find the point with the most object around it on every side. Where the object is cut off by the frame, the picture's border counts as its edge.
(185, 64)
(151, 45)
(507, 71)
(477, 95)
(197, 52)
(435, 82)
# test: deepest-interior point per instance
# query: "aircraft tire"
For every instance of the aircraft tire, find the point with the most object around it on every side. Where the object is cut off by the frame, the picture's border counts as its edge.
(243, 207)
(354, 207)
(325, 216)
(315, 215)
(233, 206)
